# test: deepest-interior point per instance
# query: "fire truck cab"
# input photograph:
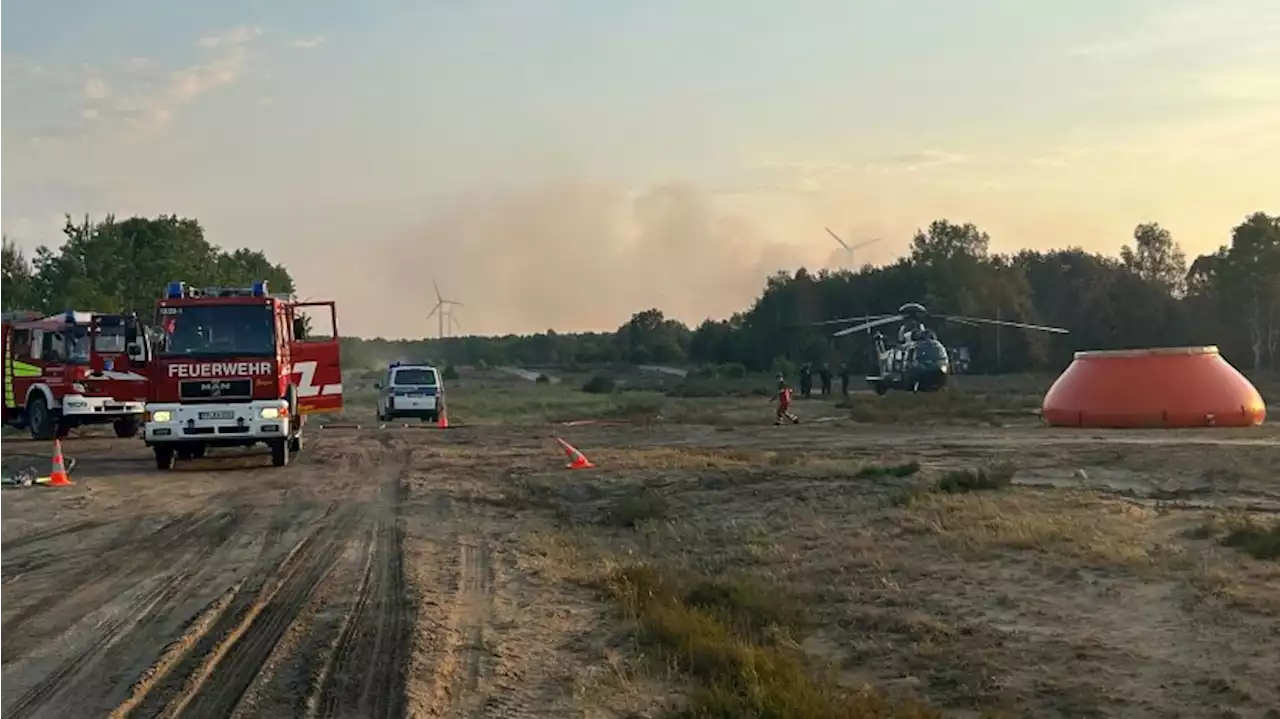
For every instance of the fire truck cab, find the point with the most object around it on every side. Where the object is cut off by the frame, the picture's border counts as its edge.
(73, 369)
(232, 367)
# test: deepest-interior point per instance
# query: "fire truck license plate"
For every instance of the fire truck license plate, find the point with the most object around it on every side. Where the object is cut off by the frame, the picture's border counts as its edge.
(220, 414)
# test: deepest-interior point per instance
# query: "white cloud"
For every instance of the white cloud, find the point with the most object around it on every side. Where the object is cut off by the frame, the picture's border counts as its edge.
(916, 161)
(235, 36)
(151, 99)
(308, 43)
(95, 88)
(1192, 25)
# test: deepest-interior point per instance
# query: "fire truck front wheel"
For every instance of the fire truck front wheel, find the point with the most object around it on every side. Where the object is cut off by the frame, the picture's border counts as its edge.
(165, 457)
(43, 423)
(126, 427)
(279, 452)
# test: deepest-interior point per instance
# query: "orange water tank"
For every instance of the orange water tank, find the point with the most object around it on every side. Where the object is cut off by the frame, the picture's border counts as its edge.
(1162, 387)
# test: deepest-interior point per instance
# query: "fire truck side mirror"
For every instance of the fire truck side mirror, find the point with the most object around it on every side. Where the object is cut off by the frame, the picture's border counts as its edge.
(135, 351)
(299, 328)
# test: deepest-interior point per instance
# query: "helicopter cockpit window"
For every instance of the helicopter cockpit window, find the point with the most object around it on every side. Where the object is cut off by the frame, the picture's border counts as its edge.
(929, 351)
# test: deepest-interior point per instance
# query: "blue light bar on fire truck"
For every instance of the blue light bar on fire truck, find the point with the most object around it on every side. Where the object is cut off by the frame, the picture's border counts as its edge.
(178, 290)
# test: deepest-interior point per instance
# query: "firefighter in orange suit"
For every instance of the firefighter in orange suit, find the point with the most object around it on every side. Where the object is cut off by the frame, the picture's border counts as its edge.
(784, 403)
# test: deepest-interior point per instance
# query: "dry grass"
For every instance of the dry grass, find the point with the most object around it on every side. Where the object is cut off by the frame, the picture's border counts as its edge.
(486, 397)
(950, 407)
(772, 573)
(736, 639)
(1261, 541)
(1077, 528)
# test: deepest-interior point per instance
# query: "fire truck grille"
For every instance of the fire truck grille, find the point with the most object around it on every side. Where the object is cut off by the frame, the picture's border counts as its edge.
(216, 389)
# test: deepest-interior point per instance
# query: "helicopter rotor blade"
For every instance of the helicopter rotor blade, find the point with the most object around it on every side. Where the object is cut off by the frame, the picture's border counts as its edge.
(845, 320)
(868, 325)
(1020, 325)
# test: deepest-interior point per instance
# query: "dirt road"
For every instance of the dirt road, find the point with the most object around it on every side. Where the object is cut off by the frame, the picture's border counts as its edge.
(229, 588)
(381, 575)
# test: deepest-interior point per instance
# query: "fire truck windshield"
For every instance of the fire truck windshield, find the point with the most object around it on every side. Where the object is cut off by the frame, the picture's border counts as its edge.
(110, 339)
(217, 330)
(77, 344)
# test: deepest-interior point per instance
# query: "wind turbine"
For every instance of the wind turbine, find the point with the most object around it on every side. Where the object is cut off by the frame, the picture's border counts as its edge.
(441, 311)
(454, 325)
(848, 249)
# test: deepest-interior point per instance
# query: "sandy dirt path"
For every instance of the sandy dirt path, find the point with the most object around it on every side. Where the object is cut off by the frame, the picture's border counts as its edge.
(380, 575)
(364, 580)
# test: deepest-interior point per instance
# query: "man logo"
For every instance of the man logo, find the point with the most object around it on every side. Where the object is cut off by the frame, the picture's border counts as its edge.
(215, 389)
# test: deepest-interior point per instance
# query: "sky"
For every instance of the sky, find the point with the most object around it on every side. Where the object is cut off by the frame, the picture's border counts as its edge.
(563, 164)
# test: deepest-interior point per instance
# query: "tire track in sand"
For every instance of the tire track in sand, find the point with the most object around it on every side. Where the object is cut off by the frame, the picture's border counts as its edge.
(220, 665)
(36, 699)
(365, 674)
(452, 643)
(100, 634)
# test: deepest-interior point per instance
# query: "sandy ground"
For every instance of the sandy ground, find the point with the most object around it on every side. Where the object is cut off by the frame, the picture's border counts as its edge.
(407, 572)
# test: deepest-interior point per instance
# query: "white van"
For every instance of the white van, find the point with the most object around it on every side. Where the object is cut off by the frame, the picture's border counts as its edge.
(410, 390)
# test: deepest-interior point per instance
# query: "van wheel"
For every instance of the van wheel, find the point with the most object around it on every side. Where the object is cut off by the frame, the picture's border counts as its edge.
(279, 452)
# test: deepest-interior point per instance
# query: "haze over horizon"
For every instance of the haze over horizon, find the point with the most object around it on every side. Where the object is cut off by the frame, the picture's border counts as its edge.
(565, 164)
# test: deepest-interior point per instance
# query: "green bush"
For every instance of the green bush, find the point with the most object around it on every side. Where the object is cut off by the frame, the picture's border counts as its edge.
(600, 384)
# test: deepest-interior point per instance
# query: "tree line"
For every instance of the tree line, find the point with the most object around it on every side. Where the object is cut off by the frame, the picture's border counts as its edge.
(1147, 295)
(124, 266)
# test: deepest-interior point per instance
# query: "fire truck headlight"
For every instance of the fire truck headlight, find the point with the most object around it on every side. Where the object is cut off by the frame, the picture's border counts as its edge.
(78, 388)
(161, 415)
(269, 413)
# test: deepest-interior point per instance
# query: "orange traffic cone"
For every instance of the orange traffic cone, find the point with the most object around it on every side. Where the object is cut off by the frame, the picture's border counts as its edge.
(442, 422)
(577, 460)
(58, 477)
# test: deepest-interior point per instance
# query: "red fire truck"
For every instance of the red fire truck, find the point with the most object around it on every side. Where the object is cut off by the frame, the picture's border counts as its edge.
(73, 369)
(234, 367)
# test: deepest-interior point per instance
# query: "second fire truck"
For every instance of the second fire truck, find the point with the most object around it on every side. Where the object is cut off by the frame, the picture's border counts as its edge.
(235, 367)
(73, 369)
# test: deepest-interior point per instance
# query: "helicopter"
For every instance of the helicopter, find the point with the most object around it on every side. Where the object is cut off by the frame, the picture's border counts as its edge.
(918, 362)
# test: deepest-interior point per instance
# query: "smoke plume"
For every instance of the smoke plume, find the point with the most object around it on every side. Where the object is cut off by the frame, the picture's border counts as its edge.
(571, 257)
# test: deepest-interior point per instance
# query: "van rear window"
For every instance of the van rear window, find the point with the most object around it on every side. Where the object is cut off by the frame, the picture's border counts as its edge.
(419, 377)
